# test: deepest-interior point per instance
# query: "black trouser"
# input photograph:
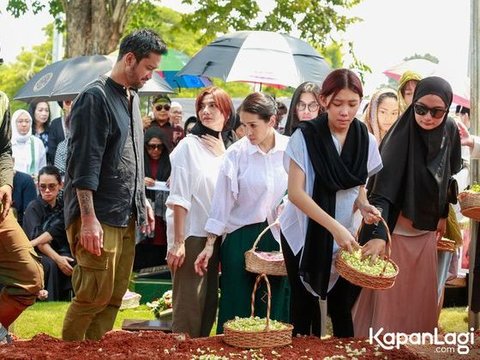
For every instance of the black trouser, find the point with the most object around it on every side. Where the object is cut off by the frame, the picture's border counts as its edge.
(305, 308)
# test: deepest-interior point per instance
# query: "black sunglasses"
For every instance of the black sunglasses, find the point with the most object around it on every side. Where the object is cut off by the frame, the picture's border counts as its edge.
(423, 110)
(51, 187)
(154, 146)
(160, 107)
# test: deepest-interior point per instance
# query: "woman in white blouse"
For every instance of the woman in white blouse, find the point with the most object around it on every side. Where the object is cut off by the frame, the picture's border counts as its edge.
(27, 150)
(251, 183)
(196, 162)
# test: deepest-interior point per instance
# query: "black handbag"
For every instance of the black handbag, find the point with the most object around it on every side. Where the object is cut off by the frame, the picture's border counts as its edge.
(452, 191)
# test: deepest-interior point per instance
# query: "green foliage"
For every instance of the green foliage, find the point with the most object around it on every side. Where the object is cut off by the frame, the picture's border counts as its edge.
(14, 76)
(426, 56)
(333, 54)
(314, 19)
(167, 23)
(19, 7)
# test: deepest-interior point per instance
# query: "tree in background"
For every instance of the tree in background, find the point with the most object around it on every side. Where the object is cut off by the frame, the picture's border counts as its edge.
(91, 26)
(28, 63)
(96, 26)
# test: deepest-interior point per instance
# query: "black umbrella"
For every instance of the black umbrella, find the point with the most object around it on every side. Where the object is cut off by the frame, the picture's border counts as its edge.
(63, 80)
(259, 57)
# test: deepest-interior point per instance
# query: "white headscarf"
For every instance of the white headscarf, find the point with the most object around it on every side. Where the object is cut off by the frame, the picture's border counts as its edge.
(16, 136)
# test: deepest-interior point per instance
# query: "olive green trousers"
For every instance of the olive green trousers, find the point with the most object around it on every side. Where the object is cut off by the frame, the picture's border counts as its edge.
(99, 282)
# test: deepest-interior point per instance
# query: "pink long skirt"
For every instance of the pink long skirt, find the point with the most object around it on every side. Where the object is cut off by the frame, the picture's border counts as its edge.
(411, 304)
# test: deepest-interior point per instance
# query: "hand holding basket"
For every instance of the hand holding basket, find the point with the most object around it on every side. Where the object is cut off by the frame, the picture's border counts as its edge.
(367, 280)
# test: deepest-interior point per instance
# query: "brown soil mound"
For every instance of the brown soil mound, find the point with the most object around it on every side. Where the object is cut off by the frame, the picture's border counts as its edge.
(157, 345)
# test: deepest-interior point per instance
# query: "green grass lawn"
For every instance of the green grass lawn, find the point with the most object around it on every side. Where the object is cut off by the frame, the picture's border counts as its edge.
(47, 317)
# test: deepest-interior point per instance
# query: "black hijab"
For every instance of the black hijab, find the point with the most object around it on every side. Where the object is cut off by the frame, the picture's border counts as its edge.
(333, 172)
(164, 167)
(418, 163)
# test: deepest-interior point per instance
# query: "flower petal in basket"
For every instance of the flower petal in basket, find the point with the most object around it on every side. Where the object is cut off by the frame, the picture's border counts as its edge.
(261, 262)
(246, 339)
(268, 333)
(364, 279)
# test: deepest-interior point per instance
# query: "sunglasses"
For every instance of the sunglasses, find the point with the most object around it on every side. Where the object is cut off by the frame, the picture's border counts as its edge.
(161, 107)
(311, 107)
(154, 146)
(44, 187)
(423, 110)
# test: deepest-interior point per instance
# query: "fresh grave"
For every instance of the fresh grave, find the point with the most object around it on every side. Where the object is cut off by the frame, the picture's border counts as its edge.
(158, 345)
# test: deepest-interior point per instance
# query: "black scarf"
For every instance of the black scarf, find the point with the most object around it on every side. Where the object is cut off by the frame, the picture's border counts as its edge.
(418, 163)
(333, 172)
(228, 139)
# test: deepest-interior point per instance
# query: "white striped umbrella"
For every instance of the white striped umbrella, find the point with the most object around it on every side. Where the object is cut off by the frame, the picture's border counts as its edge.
(261, 57)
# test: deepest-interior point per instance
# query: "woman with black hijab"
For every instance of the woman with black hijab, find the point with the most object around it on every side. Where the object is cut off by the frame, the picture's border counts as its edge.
(151, 251)
(420, 154)
(196, 162)
(328, 160)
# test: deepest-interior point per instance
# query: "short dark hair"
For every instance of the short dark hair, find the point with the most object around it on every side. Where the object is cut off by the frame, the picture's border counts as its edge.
(50, 170)
(260, 104)
(141, 43)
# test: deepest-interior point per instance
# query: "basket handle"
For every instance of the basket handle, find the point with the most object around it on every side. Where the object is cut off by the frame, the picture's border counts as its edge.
(257, 281)
(388, 245)
(264, 231)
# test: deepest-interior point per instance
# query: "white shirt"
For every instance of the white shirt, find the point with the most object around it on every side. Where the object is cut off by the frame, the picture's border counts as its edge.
(192, 181)
(293, 222)
(250, 186)
(22, 153)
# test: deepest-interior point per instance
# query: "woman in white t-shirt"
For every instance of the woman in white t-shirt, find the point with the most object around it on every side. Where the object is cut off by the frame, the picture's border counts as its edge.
(328, 161)
(27, 150)
(195, 163)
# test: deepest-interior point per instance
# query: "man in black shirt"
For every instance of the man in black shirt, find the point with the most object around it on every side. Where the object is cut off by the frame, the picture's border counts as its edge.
(104, 191)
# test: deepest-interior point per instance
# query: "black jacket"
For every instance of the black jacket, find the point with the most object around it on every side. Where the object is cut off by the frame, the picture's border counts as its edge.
(55, 136)
(41, 217)
(105, 154)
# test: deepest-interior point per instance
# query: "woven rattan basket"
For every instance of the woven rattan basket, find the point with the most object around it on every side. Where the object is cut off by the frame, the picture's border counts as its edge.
(270, 263)
(445, 244)
(356, 277)
(258, 339)
(470, 204)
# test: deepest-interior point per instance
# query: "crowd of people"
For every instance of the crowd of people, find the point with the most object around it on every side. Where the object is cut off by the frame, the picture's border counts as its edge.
(103, 190)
